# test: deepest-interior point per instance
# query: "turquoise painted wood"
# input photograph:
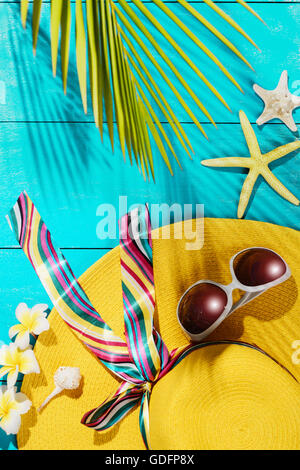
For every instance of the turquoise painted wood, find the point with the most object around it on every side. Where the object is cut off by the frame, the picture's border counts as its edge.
(51, 149)
(32, 94)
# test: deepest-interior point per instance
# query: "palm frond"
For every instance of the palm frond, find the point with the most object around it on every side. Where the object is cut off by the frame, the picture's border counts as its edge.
(24, 10)
(36, 13)
(108, 37)
(80, 39)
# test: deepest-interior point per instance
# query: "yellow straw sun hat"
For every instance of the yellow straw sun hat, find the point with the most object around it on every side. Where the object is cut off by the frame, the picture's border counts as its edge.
(229, 397)
(221, 396)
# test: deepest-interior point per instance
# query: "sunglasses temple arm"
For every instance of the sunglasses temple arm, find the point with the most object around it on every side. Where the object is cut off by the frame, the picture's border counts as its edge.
(247, 297)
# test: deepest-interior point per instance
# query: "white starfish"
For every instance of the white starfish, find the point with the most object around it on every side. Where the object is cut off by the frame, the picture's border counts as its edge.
(279, 103)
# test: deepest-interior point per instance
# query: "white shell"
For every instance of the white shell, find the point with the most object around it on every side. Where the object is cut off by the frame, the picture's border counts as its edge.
(64, 378)
(67, 377)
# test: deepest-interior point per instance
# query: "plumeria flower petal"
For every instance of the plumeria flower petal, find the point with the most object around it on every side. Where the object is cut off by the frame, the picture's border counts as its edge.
(12, 406)
(7, 354)
(4, 371)
(22, 339)
(40, 325)
(14, 330)
(21, 311)
(28, 362)
(41, 308)
(14, 360)
(11, 422)
(12, 377)
(24, 404)
(32, 321)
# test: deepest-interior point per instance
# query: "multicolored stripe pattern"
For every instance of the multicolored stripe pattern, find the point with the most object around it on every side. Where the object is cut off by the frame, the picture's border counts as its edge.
(66, 293)
(144, 358)
(147, 350)
(115, 408)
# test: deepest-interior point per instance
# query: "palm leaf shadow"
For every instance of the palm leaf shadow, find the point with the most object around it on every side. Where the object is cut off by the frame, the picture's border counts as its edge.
(111, 32)
(58, 142)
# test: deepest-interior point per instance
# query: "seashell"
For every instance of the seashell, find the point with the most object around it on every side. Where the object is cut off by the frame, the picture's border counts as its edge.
(65, 378)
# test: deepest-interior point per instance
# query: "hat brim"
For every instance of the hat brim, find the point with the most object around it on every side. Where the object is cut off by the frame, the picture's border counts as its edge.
(271, 321)
(226, 396)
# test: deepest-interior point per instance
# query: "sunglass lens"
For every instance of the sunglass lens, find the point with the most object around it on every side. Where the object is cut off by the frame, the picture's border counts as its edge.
(201, 306)
(258, 266)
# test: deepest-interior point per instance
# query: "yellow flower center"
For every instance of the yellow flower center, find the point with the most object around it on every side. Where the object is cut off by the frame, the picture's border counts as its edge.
(14, 360)
(29, 320)
(6, 405)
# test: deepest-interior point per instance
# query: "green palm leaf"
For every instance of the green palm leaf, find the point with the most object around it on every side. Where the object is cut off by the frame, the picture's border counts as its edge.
(108, 36)
(81, 52)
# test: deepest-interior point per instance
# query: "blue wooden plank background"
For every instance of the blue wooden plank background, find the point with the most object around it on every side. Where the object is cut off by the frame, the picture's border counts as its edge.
(51, 149)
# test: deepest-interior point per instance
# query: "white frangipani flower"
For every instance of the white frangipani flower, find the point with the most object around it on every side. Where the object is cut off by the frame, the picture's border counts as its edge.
(32, 321)
(13, 361)
(12, 406)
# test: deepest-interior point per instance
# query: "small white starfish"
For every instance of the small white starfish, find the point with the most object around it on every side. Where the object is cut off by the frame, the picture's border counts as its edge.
(279, 103)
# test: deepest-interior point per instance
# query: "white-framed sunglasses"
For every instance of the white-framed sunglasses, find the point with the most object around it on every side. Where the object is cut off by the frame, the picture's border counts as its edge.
(206, 304)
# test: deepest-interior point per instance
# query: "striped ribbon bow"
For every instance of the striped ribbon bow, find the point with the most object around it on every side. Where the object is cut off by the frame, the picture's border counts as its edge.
(143, 358)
